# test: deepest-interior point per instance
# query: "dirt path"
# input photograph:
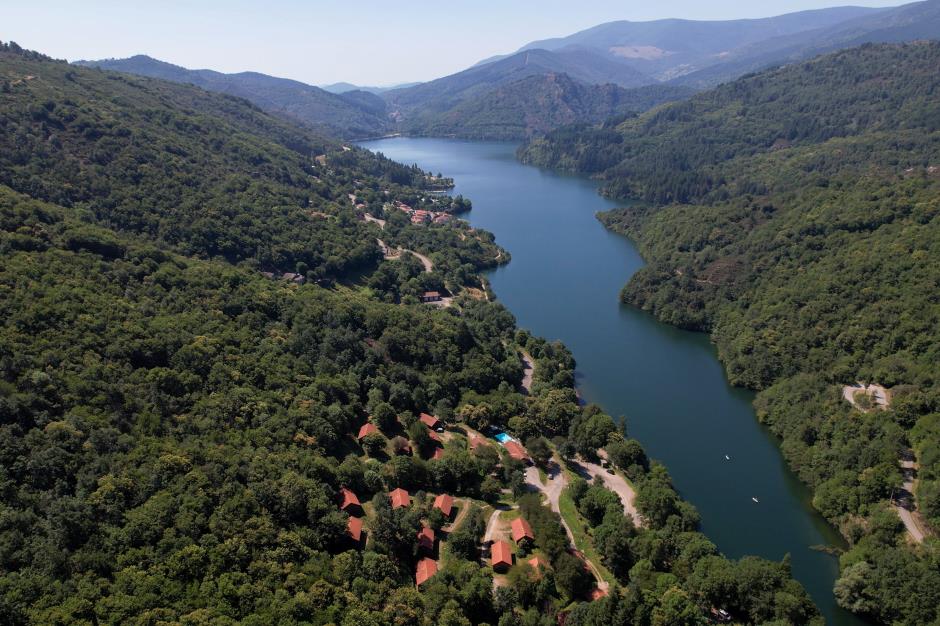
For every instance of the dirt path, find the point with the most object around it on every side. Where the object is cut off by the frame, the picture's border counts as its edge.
(390, 254)
(615, 482)
(878, 394)
(905, 505)
(370, 218)
(463, 509)
(493, 525)
(555, 485)
(528, 371)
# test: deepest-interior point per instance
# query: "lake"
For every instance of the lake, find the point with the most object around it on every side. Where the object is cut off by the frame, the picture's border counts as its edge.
(564, 283)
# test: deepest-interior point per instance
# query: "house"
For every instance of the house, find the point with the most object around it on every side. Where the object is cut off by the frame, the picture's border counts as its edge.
(426, 540)
(516, 451)
(367, 429)
(538, 563)
(431, 296)
(426, 569)
(521, 531)
(400, 498)
(354, 529)
(349, 502)
(501, 557)
(445, 504)
(429, 420)
(435, 437)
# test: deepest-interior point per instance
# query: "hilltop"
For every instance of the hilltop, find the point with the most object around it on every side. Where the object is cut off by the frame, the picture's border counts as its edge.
(351, 114)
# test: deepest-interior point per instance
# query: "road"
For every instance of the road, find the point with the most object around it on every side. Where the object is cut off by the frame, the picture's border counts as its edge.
(391, 254)
(615, 482)
(905, 504)
(552, 490)
(528, 371)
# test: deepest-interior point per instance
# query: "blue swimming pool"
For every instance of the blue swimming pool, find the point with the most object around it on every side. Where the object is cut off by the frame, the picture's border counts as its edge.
(502, 437)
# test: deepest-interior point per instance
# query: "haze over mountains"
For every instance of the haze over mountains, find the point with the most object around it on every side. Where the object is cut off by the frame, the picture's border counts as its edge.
(583, 77)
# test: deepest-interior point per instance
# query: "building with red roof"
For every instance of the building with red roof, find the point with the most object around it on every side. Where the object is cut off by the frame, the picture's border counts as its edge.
(426, 569)
(538, 562)
(430, 421)
(367, 429)
(501, 556)
(349, 502)
(516, 451)
(521, 531)
(445, 504)
(354, 529)
(434, 436)
(400, 498)
(426, 540)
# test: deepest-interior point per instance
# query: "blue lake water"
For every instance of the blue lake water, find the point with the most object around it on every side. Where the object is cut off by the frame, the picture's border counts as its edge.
(564, 283)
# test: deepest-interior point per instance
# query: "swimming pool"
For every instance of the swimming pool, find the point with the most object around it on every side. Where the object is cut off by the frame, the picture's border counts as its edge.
(502, 437)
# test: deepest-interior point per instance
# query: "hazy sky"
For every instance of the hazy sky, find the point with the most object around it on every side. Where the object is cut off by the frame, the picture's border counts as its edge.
(368, 42)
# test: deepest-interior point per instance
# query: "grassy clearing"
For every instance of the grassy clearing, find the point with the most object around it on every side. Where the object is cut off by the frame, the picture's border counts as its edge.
(582, 539)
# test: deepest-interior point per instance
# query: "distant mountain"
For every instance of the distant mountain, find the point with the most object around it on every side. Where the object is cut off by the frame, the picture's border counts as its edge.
(537, 104)
(702, 54)
(911, 22)
(445, 93)
(349, 115)
(669, 48)
(341, 88)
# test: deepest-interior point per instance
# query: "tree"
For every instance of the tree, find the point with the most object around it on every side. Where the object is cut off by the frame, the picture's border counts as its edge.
(539, 450)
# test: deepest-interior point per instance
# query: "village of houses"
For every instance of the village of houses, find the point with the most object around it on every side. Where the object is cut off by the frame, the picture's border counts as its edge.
(508, 541)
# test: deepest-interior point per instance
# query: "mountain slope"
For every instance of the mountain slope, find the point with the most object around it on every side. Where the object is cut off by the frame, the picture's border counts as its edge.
(920, 20)
(177, 428)
(704, 54)
(344, 115)
(535, 105)
(793, 214)
(444, 93)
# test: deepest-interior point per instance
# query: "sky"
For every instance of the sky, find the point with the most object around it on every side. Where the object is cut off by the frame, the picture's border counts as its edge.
(365, 42)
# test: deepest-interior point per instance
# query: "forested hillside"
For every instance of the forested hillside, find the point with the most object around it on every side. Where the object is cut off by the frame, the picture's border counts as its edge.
(536, 105)
(794, 215)
(187, 436)
(355, 114)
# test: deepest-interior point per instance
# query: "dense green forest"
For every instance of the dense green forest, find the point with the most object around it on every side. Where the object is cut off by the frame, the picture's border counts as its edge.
(177, 427)
(535, 105)
(793, 215)
(353, 114)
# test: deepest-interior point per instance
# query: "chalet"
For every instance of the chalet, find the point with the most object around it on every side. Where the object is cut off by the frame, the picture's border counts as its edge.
(426, 540)
(521, 531)
(516, 451)
(501, 557)
(538, 563)
(426, 569)
(431, 296)
(367, 429)
(354, 529)
(435, 437)
(430, 421)
(349, 502)
(400, 498)
(445, 504)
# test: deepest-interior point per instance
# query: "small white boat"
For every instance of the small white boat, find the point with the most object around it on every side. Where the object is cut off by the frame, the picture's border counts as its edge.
(727, 458)
(756, 500)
